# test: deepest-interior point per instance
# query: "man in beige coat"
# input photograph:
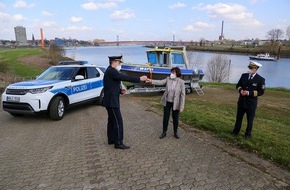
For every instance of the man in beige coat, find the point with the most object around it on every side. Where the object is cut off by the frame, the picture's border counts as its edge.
(172, 99)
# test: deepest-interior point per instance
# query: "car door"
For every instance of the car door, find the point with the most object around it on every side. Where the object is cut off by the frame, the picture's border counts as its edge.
(95, 79)
(80, 87)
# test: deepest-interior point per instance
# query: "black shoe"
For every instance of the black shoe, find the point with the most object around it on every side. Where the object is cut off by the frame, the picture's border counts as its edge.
(247, 137)
(122, 146)
(162, 135)
(176, 135)
(234, 134)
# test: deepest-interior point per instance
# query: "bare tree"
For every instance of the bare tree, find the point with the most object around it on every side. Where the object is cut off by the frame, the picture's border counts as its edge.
(218, 68)
(275, 34)
(194, 60)
(55, 53)
(288, 32)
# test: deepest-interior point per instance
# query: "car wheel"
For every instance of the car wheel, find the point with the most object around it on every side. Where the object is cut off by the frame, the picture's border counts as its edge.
(100, 98)
(57, 108)
(16, 114)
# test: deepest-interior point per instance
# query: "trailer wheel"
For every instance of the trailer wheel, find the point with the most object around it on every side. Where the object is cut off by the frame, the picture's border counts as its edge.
(188, 90)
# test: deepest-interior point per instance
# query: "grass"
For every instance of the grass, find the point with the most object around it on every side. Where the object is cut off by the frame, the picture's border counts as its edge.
(216, 112)
(10, 57)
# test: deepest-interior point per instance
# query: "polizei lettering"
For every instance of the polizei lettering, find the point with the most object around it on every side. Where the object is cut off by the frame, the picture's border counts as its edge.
(146, 69)
(79, 88)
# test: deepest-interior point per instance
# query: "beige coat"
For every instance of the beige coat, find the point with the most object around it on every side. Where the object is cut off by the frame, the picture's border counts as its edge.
(179, 97)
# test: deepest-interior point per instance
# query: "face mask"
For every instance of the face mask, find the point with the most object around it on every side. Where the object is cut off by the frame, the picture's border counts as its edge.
(118, 68)
(172, 76)
(250, 71)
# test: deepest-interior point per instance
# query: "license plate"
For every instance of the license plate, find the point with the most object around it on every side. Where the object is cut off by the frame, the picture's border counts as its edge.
(13, 99)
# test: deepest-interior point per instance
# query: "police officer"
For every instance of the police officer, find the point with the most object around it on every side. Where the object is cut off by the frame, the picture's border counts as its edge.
(250, 86)
(112, 91)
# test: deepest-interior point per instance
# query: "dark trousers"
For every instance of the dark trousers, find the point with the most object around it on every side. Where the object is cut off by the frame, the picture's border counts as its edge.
(250, 112)
(115, 126)
(166, 115)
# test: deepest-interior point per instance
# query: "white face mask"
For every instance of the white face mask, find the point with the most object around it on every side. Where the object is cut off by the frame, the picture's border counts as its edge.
(172, 76)
(250, 71)
(118, 68)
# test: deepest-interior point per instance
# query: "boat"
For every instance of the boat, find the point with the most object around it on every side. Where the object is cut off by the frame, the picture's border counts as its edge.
(158, 66)
(263, 57)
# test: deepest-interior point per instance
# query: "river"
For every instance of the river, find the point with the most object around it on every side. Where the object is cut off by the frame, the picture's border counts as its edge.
(276, 73)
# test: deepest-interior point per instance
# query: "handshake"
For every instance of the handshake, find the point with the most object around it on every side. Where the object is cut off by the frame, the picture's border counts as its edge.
(145, 79)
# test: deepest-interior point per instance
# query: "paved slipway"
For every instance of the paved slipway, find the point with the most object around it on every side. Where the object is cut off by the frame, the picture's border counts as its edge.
(37, 153)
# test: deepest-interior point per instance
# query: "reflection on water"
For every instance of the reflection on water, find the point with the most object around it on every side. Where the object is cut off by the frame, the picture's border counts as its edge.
(276, 73)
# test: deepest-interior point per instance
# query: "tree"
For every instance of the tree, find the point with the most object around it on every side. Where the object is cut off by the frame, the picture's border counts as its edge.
(55, 53)
(195, 60)
(288, 32)
(218, 68)
(275, 34)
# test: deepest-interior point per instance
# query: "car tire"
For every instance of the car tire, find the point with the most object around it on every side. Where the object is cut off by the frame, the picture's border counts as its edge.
(57, 108)
(100, 98)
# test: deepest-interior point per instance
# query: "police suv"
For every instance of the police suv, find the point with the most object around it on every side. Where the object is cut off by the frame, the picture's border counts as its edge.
(55, 90)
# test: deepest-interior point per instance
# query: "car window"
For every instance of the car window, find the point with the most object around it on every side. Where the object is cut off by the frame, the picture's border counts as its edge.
(93, 72)
(103, 69)
(82, 71)
(57, 73)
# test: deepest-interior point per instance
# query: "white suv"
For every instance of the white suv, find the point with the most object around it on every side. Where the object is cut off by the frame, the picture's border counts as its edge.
(55, 90)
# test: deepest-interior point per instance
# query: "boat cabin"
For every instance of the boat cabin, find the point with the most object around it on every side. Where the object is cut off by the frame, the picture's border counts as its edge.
(167, 57)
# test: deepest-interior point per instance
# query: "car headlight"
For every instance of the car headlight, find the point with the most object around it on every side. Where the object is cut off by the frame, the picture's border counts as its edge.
(39, 90)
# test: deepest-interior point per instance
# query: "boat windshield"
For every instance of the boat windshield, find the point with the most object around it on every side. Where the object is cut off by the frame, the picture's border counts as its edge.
(152, 58)
(177, 59)
(165, 59)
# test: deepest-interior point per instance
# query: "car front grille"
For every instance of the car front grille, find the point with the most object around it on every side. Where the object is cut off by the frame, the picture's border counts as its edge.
(16, 91)
(17, 107)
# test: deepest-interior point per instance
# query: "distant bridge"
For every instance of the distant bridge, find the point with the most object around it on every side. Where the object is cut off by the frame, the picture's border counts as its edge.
(146, 43)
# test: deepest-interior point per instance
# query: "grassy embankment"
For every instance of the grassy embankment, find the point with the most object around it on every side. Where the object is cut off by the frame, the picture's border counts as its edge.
(9, 61)
(216, 112)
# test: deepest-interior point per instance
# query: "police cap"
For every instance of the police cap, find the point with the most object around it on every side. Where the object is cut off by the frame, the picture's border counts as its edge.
(115, 58)
(254, 64)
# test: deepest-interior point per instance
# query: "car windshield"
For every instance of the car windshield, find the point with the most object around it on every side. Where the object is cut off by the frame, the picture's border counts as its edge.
(57, 73)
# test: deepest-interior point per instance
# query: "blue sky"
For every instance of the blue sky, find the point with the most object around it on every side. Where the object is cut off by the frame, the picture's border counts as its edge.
(187, 20)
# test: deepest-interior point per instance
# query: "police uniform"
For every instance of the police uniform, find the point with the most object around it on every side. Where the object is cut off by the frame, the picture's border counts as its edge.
(255, 84)
(112, 90)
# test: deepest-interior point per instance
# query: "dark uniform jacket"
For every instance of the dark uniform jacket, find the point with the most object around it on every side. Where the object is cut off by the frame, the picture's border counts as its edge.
(112, 84)
(255, 86)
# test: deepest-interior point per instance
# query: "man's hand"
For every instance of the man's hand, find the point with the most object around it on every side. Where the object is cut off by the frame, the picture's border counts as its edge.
(181, 110)
(148, 80)
(143, 78)
(123, 91)
(244, 93)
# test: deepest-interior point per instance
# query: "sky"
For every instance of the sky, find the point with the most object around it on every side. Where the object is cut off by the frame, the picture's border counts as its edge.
(144, 20)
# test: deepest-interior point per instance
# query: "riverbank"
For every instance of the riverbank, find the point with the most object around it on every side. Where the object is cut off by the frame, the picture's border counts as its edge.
(23, 63)
(247, 50)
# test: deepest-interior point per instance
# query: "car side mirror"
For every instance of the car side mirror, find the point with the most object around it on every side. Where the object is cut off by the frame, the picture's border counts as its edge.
(79, 77)
(98, 75)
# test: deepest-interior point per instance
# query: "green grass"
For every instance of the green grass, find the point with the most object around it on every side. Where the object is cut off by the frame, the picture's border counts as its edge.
(10, 57)
(271, 130)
